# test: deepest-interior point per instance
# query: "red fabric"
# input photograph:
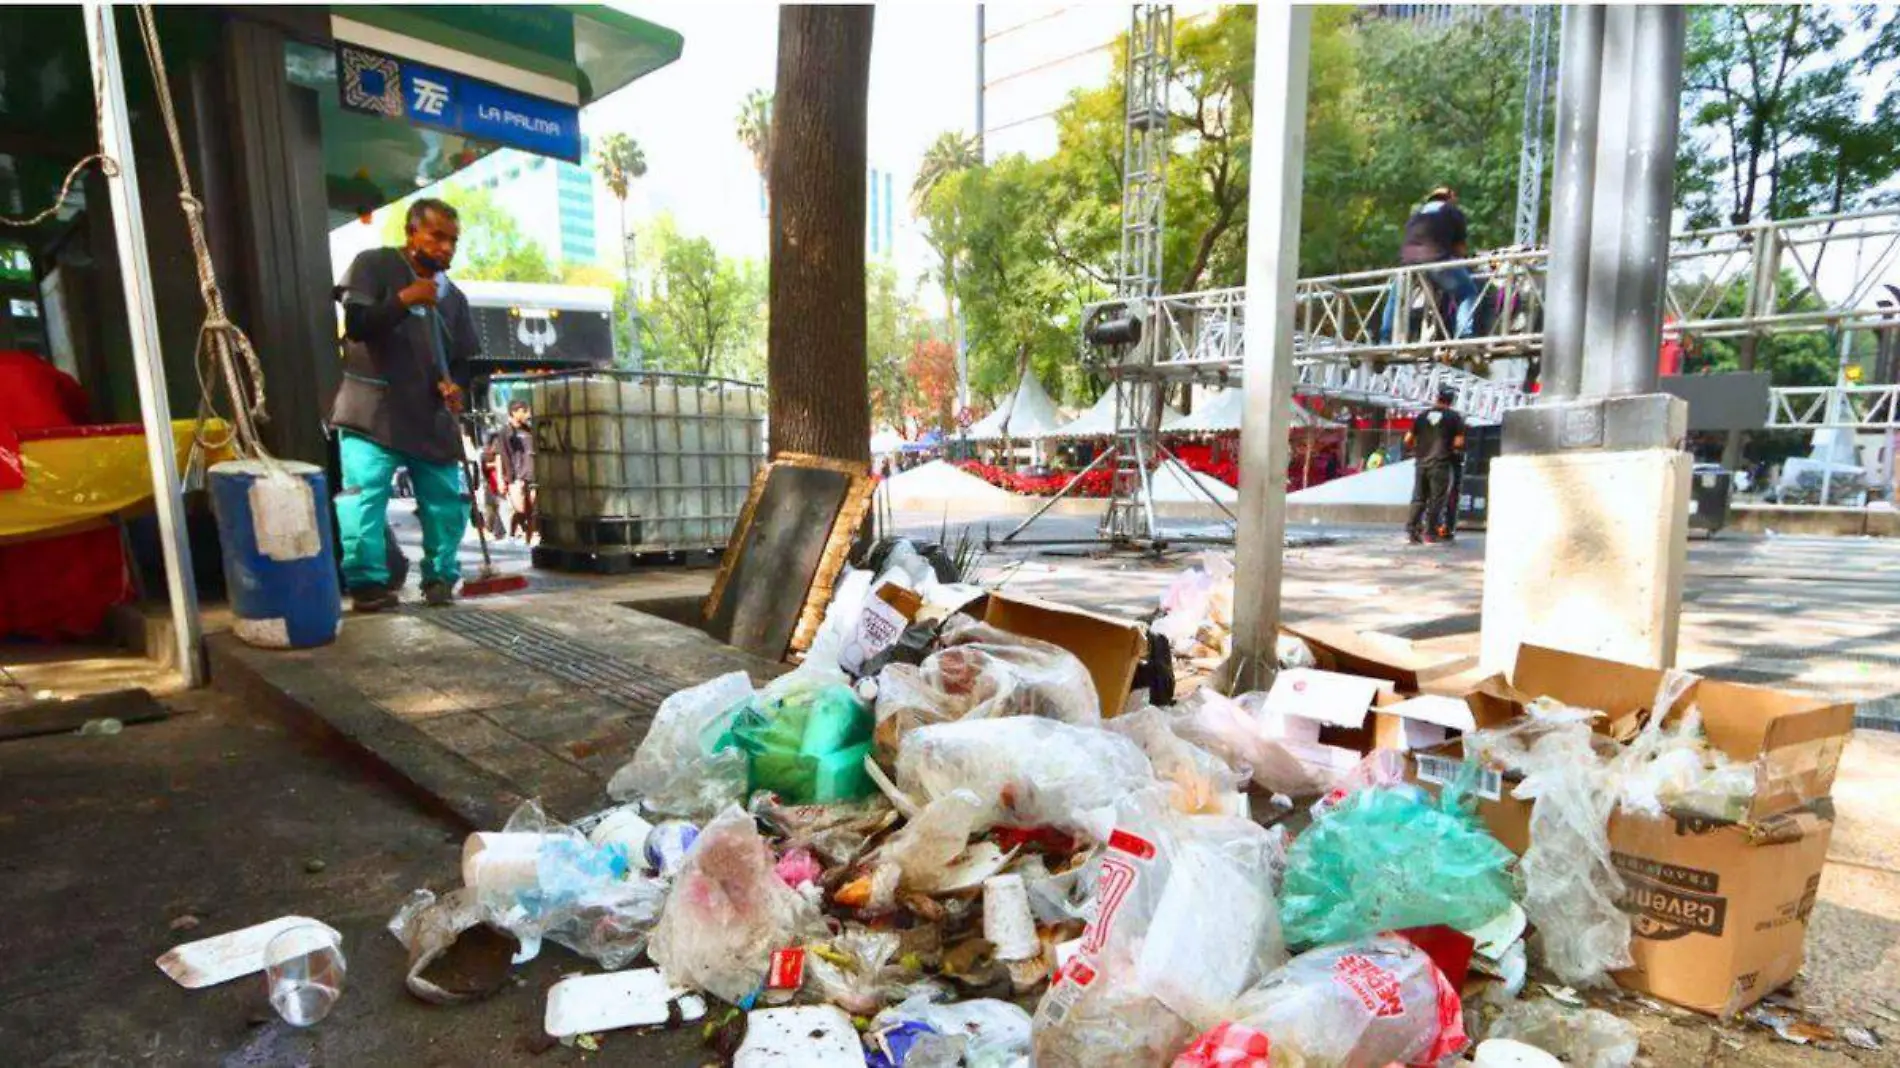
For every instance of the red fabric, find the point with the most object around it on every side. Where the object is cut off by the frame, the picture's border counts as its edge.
(60, 588)
(56, 588)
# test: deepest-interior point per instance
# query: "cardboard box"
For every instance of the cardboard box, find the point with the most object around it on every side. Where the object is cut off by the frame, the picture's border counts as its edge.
(1110, 648)
(1720, 911)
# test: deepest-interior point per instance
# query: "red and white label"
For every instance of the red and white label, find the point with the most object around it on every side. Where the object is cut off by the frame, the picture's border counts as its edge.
(788, 970)
(1132, 844)
(1375, 987)
(1118, 877)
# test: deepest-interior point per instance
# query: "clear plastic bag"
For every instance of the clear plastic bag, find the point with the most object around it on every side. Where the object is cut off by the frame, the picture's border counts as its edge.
(1027, 771)
(1388, 858)
(1376, 1001)
(852, 970)
(727, 912)
(583, 896)
(1234, 731)
(983, 672)
(1198, 598)
(1184, 920)
(430, 928)
(676, 771)
(1675, 769)
(1204, 782)
(1571, 886)
(1586, 1038)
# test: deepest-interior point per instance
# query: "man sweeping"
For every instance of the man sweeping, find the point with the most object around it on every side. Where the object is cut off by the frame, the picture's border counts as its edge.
(407, 333)
(1435, 440)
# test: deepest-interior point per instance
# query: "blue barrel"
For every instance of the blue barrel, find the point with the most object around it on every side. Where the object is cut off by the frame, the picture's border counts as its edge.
(279, 558)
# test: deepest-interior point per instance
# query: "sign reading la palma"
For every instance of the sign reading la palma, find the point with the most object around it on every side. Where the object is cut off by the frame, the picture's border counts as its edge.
(375, 83)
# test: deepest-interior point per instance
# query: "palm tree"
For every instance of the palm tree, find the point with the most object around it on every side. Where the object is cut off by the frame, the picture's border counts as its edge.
(754, 128)
(620, 160)
(949, 153)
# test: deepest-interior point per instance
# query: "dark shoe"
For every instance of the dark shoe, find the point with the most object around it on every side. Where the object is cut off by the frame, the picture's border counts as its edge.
(369, 599)
(438, 594)
(1414, 537)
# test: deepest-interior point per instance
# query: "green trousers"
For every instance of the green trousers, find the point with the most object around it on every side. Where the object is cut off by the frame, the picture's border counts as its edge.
(362, 512)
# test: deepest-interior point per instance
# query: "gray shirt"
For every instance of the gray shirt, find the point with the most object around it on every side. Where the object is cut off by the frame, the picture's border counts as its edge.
(393, 358)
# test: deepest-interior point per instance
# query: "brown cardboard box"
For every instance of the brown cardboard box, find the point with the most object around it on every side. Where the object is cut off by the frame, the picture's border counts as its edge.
(1720, 911)
(1110, 648)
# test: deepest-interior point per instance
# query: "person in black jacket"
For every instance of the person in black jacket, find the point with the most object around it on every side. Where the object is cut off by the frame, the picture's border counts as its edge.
(1437, 233)
(407, 334)
(1435, 440)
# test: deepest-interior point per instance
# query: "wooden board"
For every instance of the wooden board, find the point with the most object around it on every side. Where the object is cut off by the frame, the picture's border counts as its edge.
(65, 717)
(786, 553)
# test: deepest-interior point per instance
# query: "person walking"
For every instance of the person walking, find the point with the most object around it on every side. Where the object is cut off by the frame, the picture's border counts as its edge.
(406, 332)
(1435, 439)
(514, 469)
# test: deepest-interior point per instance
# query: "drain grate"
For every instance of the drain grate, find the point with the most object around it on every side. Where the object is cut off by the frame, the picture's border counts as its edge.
(634, 685)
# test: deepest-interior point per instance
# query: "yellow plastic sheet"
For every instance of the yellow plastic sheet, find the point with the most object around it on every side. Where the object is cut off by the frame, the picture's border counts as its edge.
(70, 480)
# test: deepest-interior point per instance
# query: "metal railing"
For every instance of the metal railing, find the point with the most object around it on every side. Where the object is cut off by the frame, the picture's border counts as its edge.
(1820, 407)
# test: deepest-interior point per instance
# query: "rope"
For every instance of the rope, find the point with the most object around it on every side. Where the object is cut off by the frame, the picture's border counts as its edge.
(108, 166)
(223, 351)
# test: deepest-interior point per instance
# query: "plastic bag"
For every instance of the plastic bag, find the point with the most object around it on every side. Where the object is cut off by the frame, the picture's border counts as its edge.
(807, 746)
(984, 672)
(836, 833)
(1200, 597)
(583, 896)
(1571, 886)
(1203, 781)
(1234, 731)
(852, 970)
(1675, 769)
(1026, 771)
(727, 912)
(1586, 1038)
(1183, 921)
(1388, 858)
(995, 1034)
(676, 770)
(1376, 1001)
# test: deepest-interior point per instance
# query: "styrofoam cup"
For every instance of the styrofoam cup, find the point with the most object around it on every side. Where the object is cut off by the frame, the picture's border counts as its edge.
(1007, 923)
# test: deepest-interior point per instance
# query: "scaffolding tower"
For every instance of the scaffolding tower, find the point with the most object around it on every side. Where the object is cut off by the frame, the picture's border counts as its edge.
(1530, 161)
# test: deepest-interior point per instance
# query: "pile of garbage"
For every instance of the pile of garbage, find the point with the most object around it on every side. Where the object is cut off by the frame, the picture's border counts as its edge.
(935, 844)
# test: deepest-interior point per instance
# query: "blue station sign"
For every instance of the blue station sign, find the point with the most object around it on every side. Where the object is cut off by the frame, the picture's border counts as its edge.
(375, 83)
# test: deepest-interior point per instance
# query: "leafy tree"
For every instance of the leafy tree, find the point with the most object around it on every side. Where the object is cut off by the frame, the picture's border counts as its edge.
(754, 129)
(620, 161)
(932, 372)
(704, 315)
(1775, 112)
(891, 324)
(492, 249)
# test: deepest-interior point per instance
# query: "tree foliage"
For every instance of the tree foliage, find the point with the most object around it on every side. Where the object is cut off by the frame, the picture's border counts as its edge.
(620, 161)
(1776, 124)
(493, 248)
(753, 127)
(705, 313)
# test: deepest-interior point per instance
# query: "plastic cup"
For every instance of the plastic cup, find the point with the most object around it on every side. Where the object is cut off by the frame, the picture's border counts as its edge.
(303, 970)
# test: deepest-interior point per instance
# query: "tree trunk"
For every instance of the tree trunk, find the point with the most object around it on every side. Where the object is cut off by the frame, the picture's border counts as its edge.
(820, 396)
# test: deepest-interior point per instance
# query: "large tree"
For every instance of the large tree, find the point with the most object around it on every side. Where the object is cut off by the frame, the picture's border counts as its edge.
(816, 370)
(621, 161)
(753, 127)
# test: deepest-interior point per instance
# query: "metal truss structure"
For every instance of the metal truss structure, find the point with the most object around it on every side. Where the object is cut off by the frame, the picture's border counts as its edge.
(1824, 407)
(1384, 338)
(1530, 161)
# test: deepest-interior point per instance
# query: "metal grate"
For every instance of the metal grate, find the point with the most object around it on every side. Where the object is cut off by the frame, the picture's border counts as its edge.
(634, 685)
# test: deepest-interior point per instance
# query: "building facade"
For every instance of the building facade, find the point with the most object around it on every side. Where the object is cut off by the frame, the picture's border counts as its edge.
(555, 202)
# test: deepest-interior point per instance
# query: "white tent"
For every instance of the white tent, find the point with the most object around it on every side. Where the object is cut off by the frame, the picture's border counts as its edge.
(1028, 415)
(1221, 412)
(886, 441)
(1099, 420)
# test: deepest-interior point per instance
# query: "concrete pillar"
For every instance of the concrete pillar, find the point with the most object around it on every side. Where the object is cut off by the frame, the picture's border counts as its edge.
(1588, 526)
(1579, 70)
(1281, 46)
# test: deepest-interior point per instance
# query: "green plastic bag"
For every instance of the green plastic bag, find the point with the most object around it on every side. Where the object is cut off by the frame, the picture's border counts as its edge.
(1388, 858)
(808, 747)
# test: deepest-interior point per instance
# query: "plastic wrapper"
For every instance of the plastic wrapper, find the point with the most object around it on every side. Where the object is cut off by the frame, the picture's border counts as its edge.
(1198, 598)
(1586, 1038)
(1388, 858)
(996, 1033)
(1571, 886)
(1368, 1003)
(853, 970)
(1184, 920)
(1234, 731)
(583, 896)
(676, 770)
(1675, 769)
(807, 744)
(457, 951)
(1026, 771)
(924, 847)
(1203, 782)
(836, 834)
(727, 912)
(983, 672)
